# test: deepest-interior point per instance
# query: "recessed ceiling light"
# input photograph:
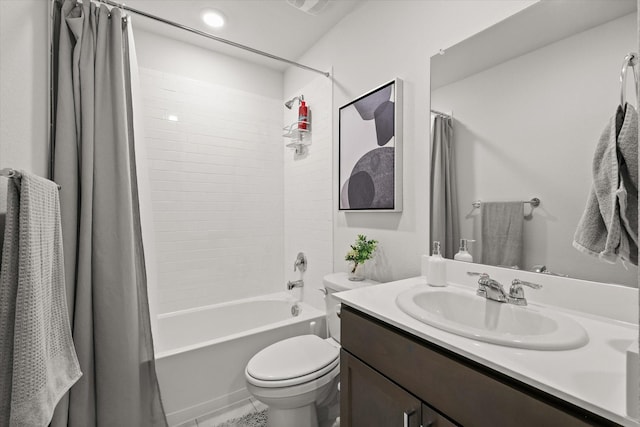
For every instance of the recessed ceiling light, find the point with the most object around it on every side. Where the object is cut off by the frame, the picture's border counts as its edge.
(213, 18)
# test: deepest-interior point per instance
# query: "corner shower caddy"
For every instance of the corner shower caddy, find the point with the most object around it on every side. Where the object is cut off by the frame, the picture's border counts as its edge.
(300, 138)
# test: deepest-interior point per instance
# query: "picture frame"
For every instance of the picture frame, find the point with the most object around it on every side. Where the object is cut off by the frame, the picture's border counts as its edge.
(370, 151)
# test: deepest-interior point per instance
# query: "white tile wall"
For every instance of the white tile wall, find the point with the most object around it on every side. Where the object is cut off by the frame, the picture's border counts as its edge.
(308, 193)
(216, 176)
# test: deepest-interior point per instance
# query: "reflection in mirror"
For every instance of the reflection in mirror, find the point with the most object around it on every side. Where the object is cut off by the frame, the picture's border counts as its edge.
(518, 111)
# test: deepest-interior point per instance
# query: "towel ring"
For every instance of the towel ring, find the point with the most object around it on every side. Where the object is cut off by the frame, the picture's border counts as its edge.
(631, 60)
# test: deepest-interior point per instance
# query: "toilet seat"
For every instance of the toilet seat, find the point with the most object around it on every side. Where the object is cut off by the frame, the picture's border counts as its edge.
(292, 361)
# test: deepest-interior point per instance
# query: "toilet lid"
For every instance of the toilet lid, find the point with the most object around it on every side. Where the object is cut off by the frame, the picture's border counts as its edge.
(292, 358)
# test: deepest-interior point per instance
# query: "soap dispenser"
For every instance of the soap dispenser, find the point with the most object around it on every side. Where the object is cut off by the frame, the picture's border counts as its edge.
(437, 268)
(463, 254)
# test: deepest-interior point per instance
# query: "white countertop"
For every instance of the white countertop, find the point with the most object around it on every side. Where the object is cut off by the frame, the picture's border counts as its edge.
(592, 377)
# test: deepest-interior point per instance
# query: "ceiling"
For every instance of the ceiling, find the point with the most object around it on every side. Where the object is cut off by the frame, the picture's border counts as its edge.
(272, 26)
(521, 34)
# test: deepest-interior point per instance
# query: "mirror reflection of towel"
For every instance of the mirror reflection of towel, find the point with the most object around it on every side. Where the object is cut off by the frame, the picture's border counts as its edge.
(608, 227)
(502, 228)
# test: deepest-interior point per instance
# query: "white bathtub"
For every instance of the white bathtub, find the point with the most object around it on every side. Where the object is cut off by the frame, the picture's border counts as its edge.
(201, 353)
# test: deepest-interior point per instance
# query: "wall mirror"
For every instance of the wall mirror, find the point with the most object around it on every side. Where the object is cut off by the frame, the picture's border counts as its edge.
(528, 100)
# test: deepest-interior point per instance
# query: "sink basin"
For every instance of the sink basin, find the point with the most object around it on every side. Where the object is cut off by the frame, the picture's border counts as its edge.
(464, 313)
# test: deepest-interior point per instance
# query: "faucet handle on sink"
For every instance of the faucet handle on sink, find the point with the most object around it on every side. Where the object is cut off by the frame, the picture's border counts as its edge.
(484, 280)
(475, 273)
(516, 293)
(484, 283)
(517, 282)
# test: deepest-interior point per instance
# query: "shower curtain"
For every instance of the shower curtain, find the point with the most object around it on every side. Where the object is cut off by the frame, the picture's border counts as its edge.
(445, 227)
(94, 161)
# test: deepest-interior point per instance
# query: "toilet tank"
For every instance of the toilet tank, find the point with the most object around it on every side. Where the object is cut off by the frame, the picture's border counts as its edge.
(338, 282)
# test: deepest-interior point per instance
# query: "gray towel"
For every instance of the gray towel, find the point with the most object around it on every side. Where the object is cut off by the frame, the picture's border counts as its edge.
(502, 228)
(608, 228)
(38, 363)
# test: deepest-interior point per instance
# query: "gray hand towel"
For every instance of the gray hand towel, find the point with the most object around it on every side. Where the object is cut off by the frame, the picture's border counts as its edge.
(38, 363)
(608, 227)
(502, 228)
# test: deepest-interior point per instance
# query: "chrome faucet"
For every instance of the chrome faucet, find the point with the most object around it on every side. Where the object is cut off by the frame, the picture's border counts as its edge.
(295, 284)
(492, 289)
(489, 288)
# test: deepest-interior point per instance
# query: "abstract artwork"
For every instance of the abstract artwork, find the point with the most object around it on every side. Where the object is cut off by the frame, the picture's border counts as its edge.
(370, 151)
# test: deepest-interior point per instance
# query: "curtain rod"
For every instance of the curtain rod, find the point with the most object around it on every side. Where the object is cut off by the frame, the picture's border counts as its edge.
(122, 6)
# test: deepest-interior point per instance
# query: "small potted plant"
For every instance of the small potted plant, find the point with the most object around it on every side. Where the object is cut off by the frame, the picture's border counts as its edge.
(361, 251)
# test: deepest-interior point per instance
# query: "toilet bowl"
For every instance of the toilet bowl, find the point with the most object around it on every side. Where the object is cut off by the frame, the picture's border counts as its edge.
(296, 375)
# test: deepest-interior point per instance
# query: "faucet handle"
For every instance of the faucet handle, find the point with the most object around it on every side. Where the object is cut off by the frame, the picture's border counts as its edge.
(300, 263)
(484, 279)
(516, 293)
(475, 273)
(482, 282)
(517, 282)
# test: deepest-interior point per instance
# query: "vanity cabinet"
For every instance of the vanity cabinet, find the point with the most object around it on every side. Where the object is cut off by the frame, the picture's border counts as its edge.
(390, 378)
(374, 400)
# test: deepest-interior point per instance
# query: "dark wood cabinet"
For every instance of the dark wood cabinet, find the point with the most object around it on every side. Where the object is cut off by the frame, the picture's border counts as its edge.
(373, 400)
(387, 373)
(431, 418)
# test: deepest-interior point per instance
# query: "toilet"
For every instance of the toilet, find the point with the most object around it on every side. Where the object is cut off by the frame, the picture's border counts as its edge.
(296, 375)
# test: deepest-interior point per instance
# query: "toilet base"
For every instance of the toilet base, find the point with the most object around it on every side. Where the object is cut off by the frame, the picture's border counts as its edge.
(304, 416)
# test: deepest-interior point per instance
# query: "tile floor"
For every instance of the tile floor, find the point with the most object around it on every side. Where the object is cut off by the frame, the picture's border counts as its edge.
(249, 406)
(220, 417)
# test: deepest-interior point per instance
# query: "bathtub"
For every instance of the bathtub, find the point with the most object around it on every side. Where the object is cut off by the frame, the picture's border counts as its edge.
(201, 353)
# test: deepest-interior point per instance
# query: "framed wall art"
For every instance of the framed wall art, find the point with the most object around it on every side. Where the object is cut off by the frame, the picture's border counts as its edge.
(370, 151)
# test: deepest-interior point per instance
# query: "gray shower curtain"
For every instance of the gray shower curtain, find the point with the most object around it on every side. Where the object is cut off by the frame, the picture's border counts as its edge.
(445, 227)
(104, 260)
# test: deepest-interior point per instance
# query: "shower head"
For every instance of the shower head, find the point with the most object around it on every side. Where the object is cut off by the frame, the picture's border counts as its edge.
(290, 102)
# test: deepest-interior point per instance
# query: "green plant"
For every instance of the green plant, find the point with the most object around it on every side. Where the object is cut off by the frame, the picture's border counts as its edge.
(361, 251)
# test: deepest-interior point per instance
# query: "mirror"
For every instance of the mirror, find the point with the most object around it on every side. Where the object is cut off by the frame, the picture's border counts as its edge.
(529, 99)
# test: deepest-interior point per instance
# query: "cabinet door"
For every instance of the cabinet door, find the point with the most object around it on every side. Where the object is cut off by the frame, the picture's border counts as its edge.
(368, 399)
(431, 418)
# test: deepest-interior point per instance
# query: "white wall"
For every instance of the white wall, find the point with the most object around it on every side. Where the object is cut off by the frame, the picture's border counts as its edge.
(378, 41)
(308, 193)
(535, 134)
(216, 173)
(24, 75)
(173, 56)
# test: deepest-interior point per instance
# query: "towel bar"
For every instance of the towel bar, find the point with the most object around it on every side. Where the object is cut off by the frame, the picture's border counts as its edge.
(12, 173)
(534, 202)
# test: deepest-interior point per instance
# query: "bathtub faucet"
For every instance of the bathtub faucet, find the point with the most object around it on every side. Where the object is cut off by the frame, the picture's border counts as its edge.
(295, 284)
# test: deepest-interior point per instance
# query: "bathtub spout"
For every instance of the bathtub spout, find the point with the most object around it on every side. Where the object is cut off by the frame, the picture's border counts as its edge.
(295, 284)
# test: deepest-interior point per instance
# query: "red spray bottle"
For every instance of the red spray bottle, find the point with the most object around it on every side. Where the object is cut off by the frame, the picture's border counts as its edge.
(303, 116)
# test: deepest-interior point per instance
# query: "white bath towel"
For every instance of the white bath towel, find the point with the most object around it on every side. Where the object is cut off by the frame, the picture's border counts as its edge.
(608, 228)
(502, 230)
(38, 363)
